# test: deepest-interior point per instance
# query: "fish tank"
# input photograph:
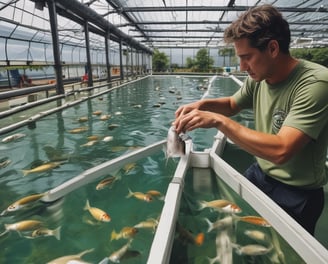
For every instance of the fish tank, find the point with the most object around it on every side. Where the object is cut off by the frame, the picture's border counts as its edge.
(215, 225)
(90, 182)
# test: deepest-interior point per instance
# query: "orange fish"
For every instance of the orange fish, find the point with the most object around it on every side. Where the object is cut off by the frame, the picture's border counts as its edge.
(141, 196)
(255, 220)
(98, 112)
(221, 205)
(23, 202)
(42, 168)
(78, 130)
(199, 239)
(107, 182)
(187, 237)
(97, 213)
(156, 193)
(126, 232)
(83, 119)
(93, 137)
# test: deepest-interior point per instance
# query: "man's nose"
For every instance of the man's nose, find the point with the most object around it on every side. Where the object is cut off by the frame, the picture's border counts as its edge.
(243, 66)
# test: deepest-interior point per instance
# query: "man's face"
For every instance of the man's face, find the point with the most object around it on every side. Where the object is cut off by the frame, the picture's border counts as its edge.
(257, 63)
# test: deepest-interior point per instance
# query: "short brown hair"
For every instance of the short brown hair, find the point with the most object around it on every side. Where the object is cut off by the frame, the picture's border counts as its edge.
(260, 24)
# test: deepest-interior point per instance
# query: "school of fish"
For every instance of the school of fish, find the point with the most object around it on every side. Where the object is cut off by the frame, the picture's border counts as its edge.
(224, 226)
(35, 227)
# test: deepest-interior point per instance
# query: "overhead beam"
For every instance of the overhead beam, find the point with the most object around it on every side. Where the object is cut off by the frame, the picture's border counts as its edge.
(183, 40)
(178, 30)
(136, 9)
(213, 22)
(117, 6)
(220, 31)
(82, 11)
(188, 47)
(178, 37)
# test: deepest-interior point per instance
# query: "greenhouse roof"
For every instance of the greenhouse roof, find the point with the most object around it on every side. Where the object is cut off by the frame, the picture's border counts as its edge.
(149, 24)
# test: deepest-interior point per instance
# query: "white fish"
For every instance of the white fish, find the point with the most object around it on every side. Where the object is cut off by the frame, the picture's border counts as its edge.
(108, 138)
(175, 145)
(220, 224)
(105, 117)
(220, 205)
(44, 232)
(4, 162)
(257, 235)
(252, 249)
(223, 249)
(150, 223)
(22, 226)
(89, 143)
(117, 255)
(69, 259)
(13, 137)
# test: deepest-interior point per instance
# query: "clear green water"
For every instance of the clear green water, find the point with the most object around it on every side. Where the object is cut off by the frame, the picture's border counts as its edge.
(193, 221)
(143, 111)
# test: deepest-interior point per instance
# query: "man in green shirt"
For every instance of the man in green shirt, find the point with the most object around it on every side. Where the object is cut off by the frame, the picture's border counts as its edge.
(290, 102)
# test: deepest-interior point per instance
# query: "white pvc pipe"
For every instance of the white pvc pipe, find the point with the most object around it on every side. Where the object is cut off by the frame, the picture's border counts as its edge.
(100, 170)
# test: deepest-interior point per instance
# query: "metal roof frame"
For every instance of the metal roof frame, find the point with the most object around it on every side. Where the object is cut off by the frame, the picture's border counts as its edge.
(144, 25)
(297, 15)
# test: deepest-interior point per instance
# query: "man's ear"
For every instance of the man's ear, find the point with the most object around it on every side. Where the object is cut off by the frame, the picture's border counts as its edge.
(273, 48)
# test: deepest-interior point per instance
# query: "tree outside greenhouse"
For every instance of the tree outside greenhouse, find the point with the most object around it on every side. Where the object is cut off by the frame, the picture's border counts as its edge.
(203, 62)
(318, 55)
(160, 61)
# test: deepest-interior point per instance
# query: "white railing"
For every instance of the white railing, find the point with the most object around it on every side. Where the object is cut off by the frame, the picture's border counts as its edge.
(306, 246)
(100, 170)
(160, 251)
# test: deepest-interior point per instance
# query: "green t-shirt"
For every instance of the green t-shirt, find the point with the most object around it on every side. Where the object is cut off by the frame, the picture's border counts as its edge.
(301, 102)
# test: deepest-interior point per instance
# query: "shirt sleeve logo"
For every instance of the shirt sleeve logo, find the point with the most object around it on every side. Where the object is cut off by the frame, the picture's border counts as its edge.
(278, 118)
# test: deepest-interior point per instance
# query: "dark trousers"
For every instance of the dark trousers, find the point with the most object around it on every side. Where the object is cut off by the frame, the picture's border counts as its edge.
(305, 206)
